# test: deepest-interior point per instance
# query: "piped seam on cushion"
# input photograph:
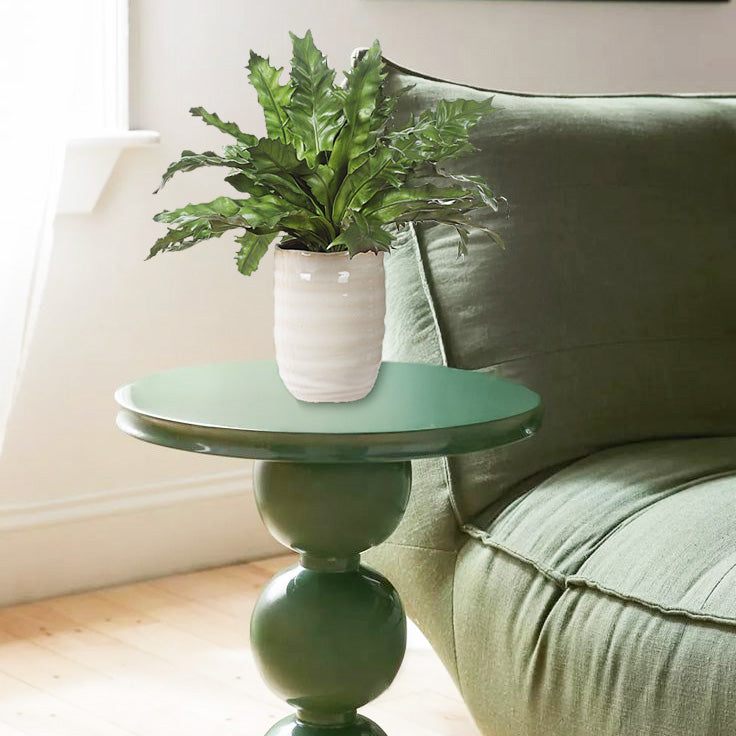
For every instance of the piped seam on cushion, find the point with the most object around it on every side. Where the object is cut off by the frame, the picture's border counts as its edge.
(357, 53)
(570, 581)
(488, 541)
(578, 581)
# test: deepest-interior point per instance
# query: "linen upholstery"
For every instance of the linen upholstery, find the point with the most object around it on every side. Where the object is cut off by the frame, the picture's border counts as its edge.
(602, 601)
(581, 583)
(616, 287)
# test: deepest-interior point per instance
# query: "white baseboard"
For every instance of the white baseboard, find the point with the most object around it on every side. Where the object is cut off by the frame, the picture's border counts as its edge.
(86, 542)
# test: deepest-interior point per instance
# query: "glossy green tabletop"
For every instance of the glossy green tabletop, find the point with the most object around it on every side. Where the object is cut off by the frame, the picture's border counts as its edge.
(242, 409)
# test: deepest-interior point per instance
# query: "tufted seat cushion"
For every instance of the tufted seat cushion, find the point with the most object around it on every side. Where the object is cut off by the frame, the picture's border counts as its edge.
(653, 522)
(602, 600)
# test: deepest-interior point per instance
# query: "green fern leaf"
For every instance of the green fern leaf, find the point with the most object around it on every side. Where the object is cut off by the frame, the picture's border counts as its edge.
(188, 235)
(378, 172)
(246, 183)
(212, 118)
(252, 248)
(265, 211)
(440, 133)
(363, 235)
(272, 95)
(314, 111)
(322, 183)
(390, 204)
(190, 161)
(271, 156)
(276, 165)
(359, 99)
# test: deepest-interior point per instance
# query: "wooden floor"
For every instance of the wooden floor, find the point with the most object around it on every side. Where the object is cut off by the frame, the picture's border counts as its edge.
(170, 657)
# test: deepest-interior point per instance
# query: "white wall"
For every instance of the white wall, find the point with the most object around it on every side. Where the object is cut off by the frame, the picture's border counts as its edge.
(80, 503)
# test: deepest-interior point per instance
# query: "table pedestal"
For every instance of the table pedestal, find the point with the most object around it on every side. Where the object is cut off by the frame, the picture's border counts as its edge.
(329, 634)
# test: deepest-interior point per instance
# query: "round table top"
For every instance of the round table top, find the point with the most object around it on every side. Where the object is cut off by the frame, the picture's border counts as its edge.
(242, 409)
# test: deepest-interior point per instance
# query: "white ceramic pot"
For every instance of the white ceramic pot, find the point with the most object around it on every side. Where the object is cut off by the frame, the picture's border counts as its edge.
(328, 323)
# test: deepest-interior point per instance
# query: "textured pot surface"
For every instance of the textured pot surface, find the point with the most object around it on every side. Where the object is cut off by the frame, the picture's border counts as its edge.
(328, 323)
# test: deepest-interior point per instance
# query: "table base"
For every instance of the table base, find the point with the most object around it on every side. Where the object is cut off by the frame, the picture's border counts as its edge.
(329, 634)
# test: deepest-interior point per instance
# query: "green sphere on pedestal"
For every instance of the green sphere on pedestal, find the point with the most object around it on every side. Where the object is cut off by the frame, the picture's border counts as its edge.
(332, 509)
(328, 642)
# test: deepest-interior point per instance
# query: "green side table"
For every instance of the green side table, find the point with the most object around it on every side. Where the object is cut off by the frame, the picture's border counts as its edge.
(331, 481)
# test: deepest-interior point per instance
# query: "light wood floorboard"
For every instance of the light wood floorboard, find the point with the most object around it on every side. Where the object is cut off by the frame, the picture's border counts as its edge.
(171, 657)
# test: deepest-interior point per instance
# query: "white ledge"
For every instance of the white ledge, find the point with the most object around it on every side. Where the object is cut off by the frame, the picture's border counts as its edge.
(88, 163)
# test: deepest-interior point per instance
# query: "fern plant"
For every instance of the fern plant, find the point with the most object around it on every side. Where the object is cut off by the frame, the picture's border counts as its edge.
(334, 173)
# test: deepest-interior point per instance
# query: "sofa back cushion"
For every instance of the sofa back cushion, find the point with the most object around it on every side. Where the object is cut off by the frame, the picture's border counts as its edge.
(615, 296)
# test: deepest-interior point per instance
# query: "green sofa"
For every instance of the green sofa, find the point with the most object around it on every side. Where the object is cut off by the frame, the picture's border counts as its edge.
(583, 582)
